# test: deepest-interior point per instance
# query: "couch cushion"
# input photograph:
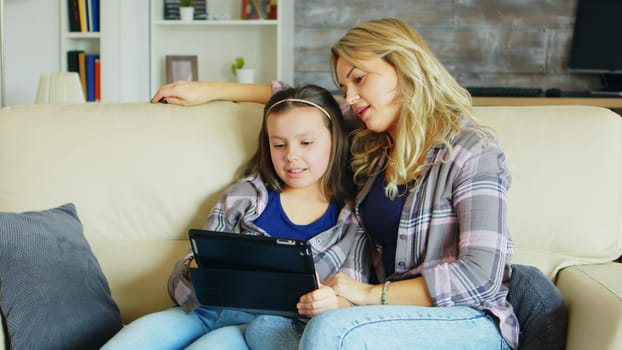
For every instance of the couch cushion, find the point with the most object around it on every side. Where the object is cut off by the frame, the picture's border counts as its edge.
(564, 201)
(141, 175)
(53, 294)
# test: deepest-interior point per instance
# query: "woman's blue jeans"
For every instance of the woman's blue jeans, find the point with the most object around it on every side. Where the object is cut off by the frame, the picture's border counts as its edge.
(380, 327)
(174, 329)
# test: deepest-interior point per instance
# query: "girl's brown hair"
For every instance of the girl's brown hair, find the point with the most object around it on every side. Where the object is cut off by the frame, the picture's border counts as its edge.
(337, 180)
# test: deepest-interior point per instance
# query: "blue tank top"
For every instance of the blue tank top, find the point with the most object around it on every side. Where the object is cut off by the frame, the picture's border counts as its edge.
(381, 217)
(274, 220)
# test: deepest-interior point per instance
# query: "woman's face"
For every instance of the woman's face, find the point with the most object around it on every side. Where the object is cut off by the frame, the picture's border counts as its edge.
(300, 147)
(371, 93)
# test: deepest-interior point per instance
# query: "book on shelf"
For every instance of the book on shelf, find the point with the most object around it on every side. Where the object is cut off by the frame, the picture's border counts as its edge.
(73, 15)
(82, 70)
(95, 15)
(90, 77)
(73, 60)
(82, 9)
(87, 14)
(97, 80)
(83, 15)
(88, 66)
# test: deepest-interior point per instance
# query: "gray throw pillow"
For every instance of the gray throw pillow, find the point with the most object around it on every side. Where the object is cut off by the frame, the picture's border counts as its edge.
(540, 309)
(53, 294)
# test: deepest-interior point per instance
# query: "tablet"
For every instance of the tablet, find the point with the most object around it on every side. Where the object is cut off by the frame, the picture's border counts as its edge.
(250, 273)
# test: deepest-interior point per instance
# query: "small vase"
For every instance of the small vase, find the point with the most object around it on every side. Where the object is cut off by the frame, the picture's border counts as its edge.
(186, 13)
(245, 75)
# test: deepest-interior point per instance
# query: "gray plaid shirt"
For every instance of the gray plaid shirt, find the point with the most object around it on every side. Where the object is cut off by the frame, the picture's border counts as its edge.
(342, 248)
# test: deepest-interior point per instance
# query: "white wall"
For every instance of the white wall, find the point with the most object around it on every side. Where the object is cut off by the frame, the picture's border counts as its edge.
(124, 44)
(31, 38)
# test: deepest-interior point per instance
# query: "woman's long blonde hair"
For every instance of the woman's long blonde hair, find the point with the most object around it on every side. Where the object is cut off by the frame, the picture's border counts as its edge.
(432, 102)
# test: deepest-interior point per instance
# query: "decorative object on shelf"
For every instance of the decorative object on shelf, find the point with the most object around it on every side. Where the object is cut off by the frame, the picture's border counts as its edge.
(186, 10)
(173, 9)
(181, 68)
(258, 9)
(271, 39)
(238, 63)
(57, 88)
(244, 75)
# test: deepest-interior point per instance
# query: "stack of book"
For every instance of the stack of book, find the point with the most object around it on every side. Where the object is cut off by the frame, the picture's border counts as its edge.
(83, 15)
(88, 66)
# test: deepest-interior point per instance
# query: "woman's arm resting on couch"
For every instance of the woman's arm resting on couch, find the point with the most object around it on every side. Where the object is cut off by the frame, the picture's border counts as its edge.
(189, 93)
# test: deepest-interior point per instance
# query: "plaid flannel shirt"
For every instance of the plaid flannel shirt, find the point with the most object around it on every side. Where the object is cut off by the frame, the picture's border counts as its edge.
(342, 248)
(453, 228)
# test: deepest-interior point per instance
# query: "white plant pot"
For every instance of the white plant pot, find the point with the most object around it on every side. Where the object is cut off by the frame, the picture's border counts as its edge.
(186, 13)
(245, 75)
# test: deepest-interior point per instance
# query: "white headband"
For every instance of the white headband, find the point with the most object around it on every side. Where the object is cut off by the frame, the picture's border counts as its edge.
(313, 104)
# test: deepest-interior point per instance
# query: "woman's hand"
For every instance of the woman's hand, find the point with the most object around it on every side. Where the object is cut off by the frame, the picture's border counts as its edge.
(339, 290)
(190, 93)
(184, 93)
(355, 292)
(412, 291)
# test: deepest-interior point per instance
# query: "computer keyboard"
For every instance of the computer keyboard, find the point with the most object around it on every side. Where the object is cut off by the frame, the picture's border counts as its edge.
(509, 91)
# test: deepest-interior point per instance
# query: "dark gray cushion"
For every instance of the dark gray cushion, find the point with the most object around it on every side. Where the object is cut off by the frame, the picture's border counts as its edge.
(53, 294)
(540, 309)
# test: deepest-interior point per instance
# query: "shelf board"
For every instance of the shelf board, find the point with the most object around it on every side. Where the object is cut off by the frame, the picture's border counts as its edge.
(82, 35)
(216, 23)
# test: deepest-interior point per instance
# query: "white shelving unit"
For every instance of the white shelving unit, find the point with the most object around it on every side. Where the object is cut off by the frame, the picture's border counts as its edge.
(89, 42)
(266, 45)
(123, 46)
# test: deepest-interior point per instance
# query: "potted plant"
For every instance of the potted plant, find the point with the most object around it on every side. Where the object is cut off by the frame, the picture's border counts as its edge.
(186, 10)
(244, 75)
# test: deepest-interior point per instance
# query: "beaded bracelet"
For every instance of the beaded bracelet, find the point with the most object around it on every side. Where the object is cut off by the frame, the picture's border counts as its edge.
(383, 298)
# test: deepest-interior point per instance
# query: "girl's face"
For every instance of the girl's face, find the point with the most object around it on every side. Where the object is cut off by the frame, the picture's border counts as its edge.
(300, 147)
(371, 93)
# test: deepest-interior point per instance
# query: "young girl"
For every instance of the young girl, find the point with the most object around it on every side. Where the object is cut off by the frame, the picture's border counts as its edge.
(295, 187)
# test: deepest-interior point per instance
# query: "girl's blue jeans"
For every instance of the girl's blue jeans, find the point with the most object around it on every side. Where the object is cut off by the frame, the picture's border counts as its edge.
(174, 329)
(380, 327)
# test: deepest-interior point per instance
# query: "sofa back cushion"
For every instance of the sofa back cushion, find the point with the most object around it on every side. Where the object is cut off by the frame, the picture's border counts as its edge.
(140, 175)
(565, 200)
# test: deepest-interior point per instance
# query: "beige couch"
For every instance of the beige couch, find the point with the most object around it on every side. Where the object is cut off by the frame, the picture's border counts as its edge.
(141, 175)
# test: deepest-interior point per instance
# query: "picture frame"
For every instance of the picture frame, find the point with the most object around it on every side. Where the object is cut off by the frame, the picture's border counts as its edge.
(181, 67)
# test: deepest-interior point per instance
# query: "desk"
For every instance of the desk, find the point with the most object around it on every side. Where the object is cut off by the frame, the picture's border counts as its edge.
(612, 103)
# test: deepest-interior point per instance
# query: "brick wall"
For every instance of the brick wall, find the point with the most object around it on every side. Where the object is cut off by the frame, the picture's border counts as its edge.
(481, 42)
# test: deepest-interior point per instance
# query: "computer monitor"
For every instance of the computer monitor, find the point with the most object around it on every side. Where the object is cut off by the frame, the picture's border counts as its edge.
(596, 41)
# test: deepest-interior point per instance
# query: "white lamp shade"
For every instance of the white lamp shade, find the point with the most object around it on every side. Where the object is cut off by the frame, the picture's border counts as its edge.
(60, 88)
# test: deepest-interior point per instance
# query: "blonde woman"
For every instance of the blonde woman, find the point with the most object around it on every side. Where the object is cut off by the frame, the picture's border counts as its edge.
(432, 196)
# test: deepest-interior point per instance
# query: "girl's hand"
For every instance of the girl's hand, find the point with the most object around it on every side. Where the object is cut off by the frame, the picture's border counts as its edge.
(339, 290)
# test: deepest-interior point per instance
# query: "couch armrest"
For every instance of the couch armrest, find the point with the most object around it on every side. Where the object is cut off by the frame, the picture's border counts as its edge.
(593, 295)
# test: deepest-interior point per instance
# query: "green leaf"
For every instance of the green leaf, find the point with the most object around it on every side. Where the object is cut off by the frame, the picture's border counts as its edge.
(238, 63)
